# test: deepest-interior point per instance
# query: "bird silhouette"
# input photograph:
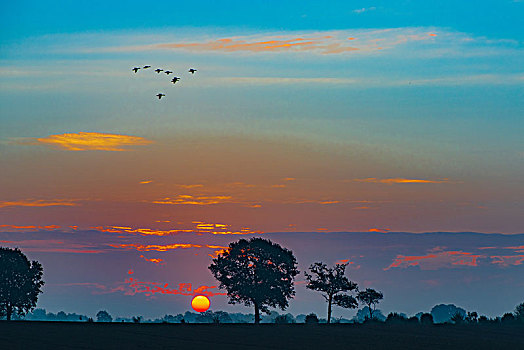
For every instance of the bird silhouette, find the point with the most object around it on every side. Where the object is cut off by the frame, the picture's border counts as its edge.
(158, 70)
(160, 95)
(175, 79)
(146, 67)
(192, 70)
(168, 72)
(135, 69)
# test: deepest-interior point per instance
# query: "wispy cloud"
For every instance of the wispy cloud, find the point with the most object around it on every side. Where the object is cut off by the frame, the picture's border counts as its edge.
(402, 181)
(322, 42)
(435, 260)
(155, 261)
(38, 203)
(364, 9)
(90, 141)
(28, 227)
(198, 227)
(194, 200)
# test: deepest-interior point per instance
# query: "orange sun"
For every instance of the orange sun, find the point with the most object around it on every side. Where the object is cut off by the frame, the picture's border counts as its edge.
(200, 303)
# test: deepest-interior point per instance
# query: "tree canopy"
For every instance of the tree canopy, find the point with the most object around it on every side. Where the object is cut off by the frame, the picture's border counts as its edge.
(370, 297)
(256, 272)
(333, 284)
(20, 282)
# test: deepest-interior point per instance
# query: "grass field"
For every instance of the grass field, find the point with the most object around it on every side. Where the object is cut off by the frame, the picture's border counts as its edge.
(76, 335)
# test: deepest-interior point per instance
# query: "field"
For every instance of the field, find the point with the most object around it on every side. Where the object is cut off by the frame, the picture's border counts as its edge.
(76, 335)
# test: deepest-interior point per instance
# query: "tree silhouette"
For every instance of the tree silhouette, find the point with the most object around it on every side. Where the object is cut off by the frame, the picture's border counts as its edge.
(458, 318)
(257, 272)
(20, 282)
(370, 297)
(426, 318)
(311, 319)
(333, 285)
(519, 312)
(103, 316)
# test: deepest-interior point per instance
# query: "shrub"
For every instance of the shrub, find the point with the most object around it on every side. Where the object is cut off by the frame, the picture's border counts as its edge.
(426, 318)
(311, 319)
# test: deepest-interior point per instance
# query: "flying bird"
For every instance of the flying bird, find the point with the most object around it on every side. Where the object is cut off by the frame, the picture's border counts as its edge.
(158, 70)
(146, 67)
(192, 70)
(175, 79)
(160, 95)
(168, 72)
(135, 69)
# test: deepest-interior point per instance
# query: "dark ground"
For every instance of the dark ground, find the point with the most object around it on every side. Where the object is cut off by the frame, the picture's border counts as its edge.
(81, 335)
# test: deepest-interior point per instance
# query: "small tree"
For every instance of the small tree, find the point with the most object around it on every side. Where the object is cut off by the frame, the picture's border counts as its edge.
(396, 318)
(370, 297)
(519, 312)
(472, 317)
(257, 272)
(20, 282)
(426, 318)
(103, 316)
(333, 285)
(457, 318)
(508, 317)
(311, 319)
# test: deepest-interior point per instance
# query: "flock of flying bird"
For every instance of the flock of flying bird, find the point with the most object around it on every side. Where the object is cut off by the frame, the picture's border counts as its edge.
(158, 70)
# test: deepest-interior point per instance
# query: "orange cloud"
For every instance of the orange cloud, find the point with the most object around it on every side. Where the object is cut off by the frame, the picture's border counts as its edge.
(435, 261)
(146, 182)
(38, 203)
(155, 247)
(199, 228)
(192, 200)
(153, 260)
(92, 141)
(402, 181)
(381, 230)
(31, 227)
(191, 186)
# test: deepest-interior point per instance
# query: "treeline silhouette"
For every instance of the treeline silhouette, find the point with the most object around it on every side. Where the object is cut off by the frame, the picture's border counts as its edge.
(255, 272)
(439, 314)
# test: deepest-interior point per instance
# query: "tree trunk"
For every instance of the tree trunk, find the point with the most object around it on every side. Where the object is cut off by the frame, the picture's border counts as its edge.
(370, 312)
(329, 308)
(257, 314)
(9, 312)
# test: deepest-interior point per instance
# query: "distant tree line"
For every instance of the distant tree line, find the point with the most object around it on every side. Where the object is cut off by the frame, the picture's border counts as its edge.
(255, 272)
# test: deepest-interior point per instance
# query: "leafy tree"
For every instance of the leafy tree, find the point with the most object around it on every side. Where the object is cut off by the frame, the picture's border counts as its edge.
(426, 318)
(457, 318)
(472, 317)
(442, 313)
(370, 297)
(508, 317)
(137, 319)
(283, 319)
(519, 312)
(333, 285)
(395, 318)
(256, 272)
(311, 319)
(103, 316)
(483, 319)
(20, 282)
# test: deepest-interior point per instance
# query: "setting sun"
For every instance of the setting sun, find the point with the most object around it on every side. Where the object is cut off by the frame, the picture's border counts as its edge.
(200, 303)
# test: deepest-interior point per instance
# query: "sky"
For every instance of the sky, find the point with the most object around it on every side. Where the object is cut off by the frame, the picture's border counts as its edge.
(303, 121)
